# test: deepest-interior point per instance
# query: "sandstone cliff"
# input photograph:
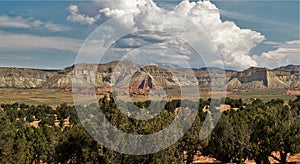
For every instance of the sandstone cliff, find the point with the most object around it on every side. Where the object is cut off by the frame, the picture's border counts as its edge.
(256, 78)
(144, 78)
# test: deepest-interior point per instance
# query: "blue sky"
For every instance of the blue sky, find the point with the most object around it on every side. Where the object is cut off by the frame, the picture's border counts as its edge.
(41, 34)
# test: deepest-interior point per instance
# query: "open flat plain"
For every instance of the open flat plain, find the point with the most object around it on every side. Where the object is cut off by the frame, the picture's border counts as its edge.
(54, 98)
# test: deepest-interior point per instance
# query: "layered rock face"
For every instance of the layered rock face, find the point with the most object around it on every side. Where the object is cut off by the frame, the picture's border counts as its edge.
(258, 78)
(24, 78)
(141, 79)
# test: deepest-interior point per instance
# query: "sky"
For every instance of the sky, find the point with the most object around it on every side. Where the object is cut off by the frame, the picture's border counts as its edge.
(240, 33)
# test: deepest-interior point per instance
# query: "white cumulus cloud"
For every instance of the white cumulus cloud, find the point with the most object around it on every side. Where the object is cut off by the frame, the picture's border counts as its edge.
(284, 54)
(75, 16)
(232, 42)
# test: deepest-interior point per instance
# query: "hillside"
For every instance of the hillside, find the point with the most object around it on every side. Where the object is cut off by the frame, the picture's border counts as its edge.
(143, 78)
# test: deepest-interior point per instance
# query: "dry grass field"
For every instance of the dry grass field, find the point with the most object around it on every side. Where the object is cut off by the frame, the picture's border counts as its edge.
(54, 98)
(263, 94)
(35, 96)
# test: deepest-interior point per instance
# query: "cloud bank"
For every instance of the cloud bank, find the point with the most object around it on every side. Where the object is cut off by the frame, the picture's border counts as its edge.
(233, 43)
(28, 42)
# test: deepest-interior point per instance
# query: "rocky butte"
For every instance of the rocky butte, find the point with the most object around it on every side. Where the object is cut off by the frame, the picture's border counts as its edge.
(143, 78)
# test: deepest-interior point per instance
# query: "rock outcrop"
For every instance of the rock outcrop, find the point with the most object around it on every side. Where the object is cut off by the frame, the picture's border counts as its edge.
(142, 79)
(256, 78)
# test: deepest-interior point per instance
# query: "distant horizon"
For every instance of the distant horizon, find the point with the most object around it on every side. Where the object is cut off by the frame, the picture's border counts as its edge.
(104, 63)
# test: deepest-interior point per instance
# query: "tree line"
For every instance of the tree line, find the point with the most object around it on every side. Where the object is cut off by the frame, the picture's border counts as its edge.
(252, 132)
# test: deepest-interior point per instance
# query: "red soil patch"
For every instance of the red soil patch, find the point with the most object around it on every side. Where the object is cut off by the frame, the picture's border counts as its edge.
(293, 92)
